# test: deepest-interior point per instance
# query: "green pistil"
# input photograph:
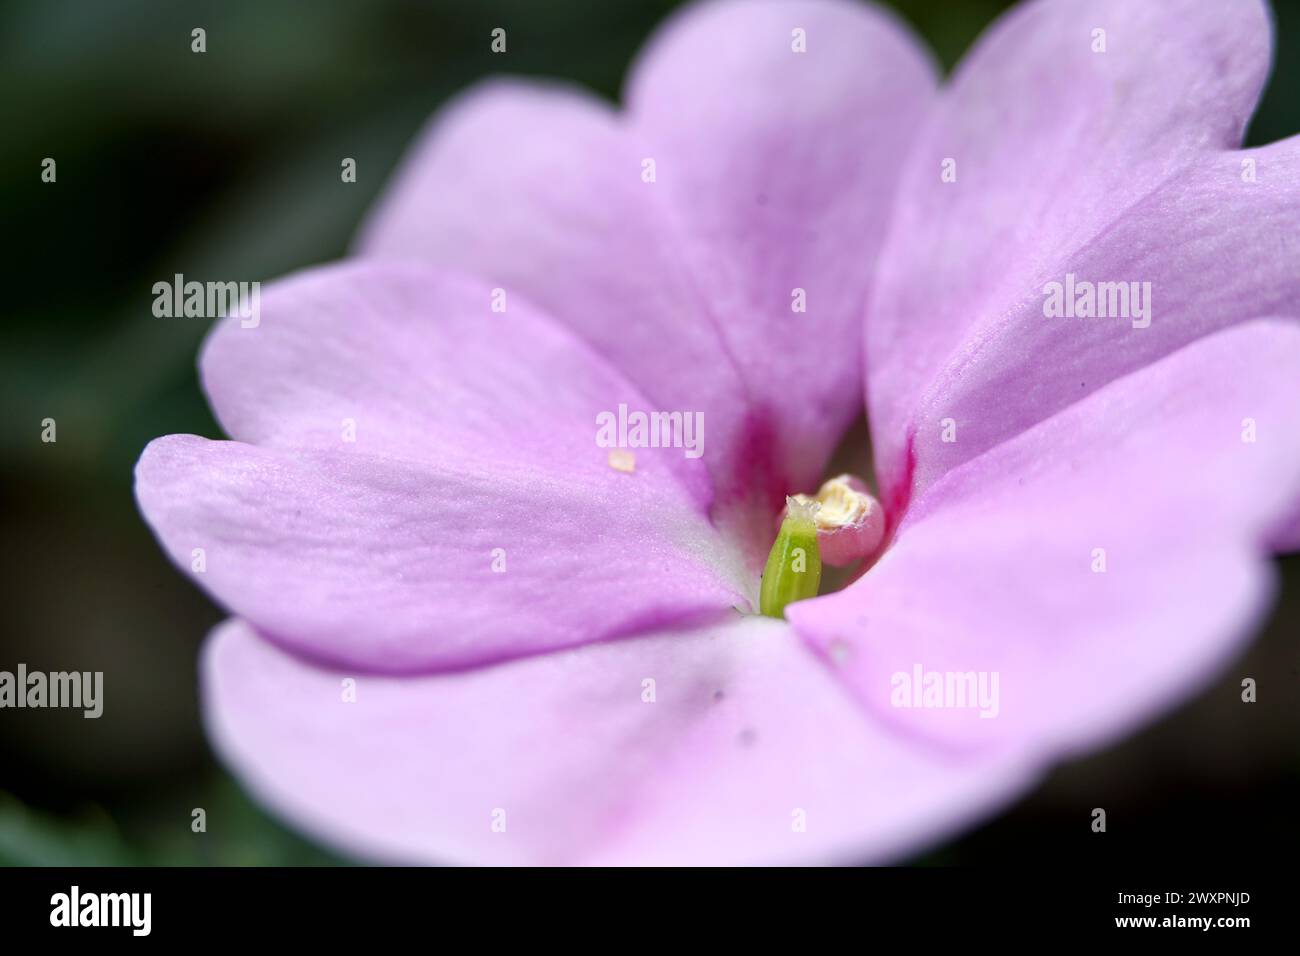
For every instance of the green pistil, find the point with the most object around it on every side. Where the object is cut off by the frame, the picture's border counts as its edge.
(794, 565)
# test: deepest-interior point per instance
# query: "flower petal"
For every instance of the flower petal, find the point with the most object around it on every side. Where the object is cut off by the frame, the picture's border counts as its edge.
(536, 189)
(1215, 251)
(746, 735)
(779, 170)
(396, 565)
(1287, 537)
(416, 365)
(1105, 563)
(1067, 159)
(772, 161)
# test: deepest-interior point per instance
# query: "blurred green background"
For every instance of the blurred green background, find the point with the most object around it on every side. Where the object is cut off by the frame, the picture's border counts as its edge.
(226, 165)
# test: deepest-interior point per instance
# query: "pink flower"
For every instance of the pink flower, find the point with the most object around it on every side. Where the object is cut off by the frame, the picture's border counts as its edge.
(460, 635)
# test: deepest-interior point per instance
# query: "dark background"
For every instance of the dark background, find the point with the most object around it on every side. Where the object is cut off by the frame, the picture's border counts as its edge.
(226, 165)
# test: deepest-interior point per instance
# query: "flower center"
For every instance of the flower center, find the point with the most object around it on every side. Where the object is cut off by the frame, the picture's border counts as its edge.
(840, 525)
